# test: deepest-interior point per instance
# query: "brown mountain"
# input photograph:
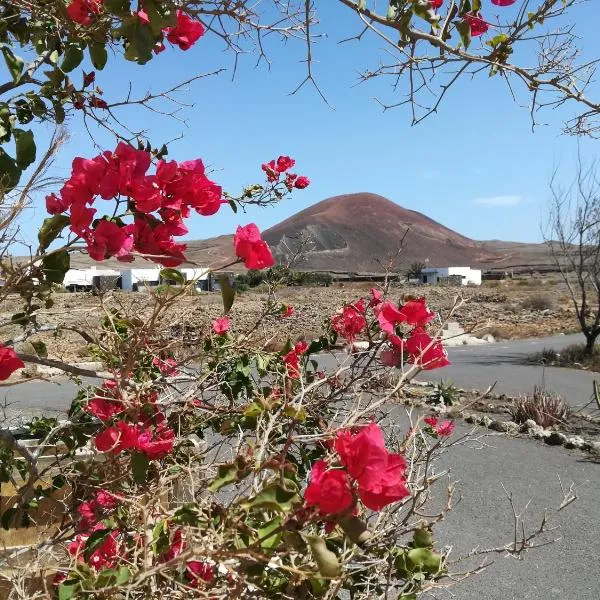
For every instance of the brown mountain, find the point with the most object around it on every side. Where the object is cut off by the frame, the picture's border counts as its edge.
(354, 231)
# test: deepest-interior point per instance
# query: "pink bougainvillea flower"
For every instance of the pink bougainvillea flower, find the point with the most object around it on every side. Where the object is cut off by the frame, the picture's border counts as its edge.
(107, 500)
(9, 362)
(388, 315)
(416, 313)
(436, 3)
(155, 444)
(114, 439)
(167, 367)
(503, 2)
(81, 218)
(390, 358)
(302, 182)
(287, 310)
(476, 23)
(329, 489)
(103, 408)
(424, 351)
(197, 571)
(55, 204)
(105, 555)
(292, 363)
(290, 179)
(284, 163)
(376, 297)
(177, 545)
(380, 474)
(108, 239)
(270, 169)
(442, 429)
(363, 453)
(351, 321)
(186, 33)
(84, 11)
(300, 347)
(251, 248)
(387, 487)
(221, 325)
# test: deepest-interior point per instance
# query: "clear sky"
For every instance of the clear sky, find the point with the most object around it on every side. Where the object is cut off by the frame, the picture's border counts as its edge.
(476, 166)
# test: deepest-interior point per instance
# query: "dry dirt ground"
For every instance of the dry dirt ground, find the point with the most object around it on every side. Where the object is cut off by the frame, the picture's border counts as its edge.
(507, 310)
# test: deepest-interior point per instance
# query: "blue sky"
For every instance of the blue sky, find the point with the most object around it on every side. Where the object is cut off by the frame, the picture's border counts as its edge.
(476, 166)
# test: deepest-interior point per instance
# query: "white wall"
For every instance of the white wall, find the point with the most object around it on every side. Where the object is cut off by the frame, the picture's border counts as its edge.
(468, 275)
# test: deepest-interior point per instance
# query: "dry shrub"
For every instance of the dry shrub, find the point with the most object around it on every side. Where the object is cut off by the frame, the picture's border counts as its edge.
(537, 302)
(544, 407)
(491, 283)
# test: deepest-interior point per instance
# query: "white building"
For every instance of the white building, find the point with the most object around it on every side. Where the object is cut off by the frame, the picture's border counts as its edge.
(81, 280)
(465, 275)
(130, 280)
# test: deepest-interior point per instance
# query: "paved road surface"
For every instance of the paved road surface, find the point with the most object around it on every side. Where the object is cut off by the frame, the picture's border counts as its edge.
(503, 362)
(569, 568)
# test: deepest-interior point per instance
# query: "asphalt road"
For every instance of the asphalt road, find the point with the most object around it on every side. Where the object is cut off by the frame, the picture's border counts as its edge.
(569, 568)
(503, 363)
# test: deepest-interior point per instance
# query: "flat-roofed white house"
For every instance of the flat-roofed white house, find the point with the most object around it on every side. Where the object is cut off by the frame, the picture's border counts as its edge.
(464, 275)
(130, 280)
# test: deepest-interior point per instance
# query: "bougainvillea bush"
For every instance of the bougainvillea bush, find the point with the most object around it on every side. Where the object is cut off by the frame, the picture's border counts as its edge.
(207, 465)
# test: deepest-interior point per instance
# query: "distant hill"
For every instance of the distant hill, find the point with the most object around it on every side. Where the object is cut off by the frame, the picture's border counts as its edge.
(360, 233)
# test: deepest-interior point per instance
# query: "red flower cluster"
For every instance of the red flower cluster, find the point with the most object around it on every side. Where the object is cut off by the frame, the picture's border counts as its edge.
(292, 359)
(92, 511)
(251, 248)
(105, 556)
(84, 11)
(153, 441)
(221, 325)
(351, 321)
(159, 203)
(419, 347)
(413, 312)
(107, 403)
(436, 3)
(275, 168)
(476, 23)
(439, 428)
(196, 570)
(186, 33)
(9, 362)
(167, 367)
(376, 475)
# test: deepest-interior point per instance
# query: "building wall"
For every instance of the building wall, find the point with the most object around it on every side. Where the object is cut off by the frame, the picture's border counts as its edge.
(467, 275)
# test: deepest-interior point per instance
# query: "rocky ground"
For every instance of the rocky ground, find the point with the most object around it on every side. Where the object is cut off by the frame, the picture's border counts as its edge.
(506, 310)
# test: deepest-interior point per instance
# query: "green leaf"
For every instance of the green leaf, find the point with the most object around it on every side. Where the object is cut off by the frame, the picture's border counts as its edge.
(72, 58)
(9, 172)
(98, 55)
(172, 275)
(226, 474)
(233, 205)
(253, 410)
(118, 7)
(264, 533)
(94, 542)
(273, 497)
(139, 466)
(56, 265)
(464, 29)
(227, 292)
(123, 576)
(160, 15)
(25, 146)
(13, 62)
(51, 229)
(40, 348)
(67, 590)
(425, 559)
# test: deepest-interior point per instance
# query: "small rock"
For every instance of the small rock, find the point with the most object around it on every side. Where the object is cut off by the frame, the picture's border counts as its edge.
(499, 426)
(530, 424)
(511, 427)
(594, 447)
(556, 438)
(470, 418)
(489, 338)
(575, 442)
(486, 421)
